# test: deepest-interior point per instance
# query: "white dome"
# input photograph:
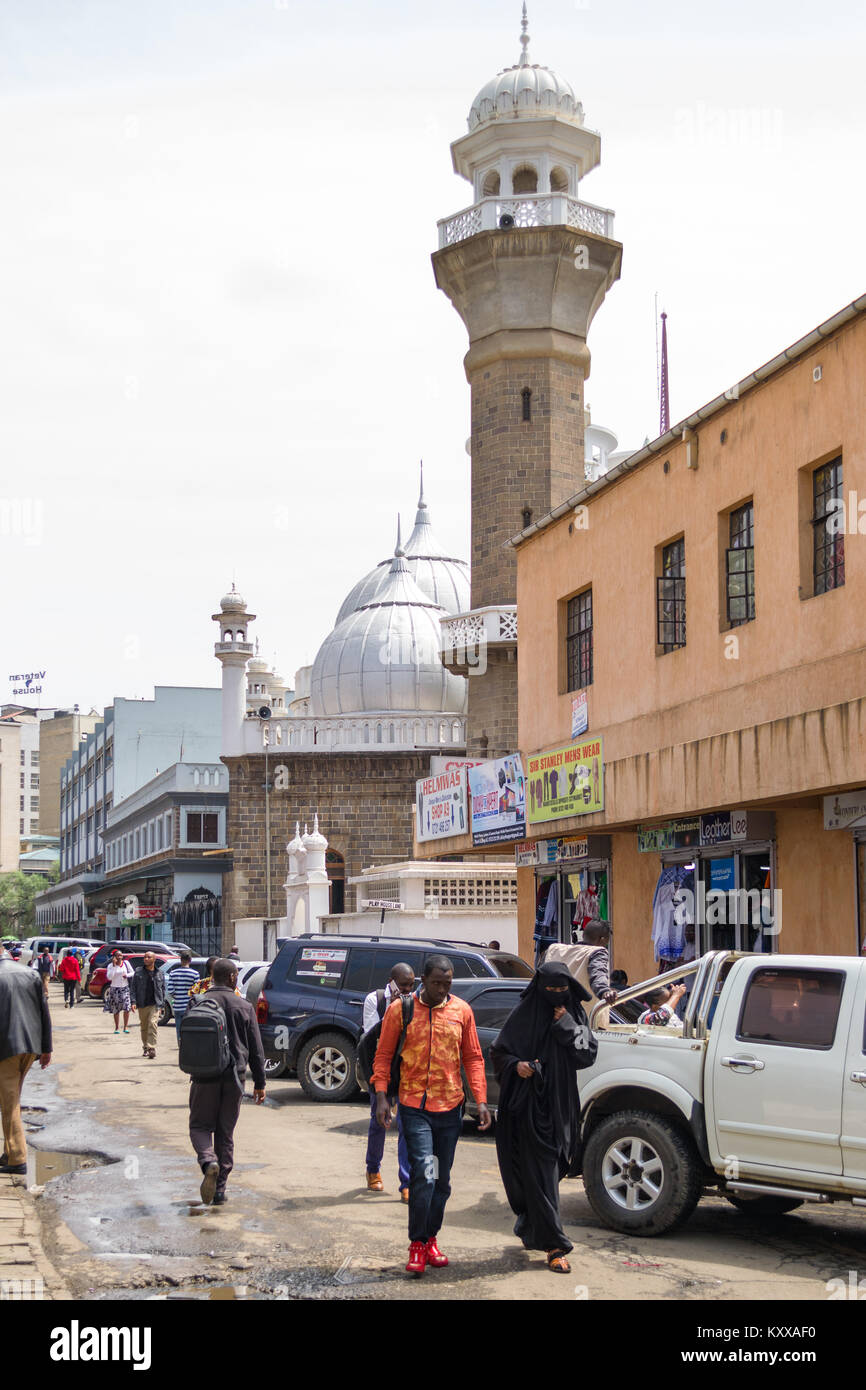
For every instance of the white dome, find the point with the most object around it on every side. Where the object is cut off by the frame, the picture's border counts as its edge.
(385, 657)
(232, 602)
(442, 578)
(525, 91)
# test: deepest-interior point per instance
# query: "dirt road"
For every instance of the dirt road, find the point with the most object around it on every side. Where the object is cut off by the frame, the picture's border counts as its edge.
(301, 1224)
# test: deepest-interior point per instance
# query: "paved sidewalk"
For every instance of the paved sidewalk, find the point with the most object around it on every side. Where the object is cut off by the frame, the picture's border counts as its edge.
(25, 1272)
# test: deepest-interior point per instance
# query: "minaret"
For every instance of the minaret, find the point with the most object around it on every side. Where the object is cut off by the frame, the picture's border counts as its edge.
(233, 651)
(526, 267)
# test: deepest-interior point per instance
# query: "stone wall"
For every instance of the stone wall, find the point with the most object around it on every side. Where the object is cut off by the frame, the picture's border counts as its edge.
(364, 804)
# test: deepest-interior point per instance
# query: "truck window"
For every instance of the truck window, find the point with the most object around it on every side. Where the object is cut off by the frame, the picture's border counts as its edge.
(793, 1008)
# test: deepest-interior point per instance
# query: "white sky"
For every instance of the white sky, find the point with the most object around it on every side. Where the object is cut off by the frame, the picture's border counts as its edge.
(222, 351)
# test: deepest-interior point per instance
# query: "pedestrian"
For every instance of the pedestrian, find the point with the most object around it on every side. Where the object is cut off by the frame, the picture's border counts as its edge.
(203, 985)
(400, 981)
(69, 971)
(536, 1057)
(179, 982)
(440, 1038)
(589, 963)
(148, 996)
(214, 1105)
(80, 956)
(25, 1034)
(45, 967)
(118, 974)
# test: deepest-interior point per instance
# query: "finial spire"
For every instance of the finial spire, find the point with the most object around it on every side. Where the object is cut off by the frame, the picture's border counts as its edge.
(421, 502)
(524, 39)
(664, 399)
(399, 547)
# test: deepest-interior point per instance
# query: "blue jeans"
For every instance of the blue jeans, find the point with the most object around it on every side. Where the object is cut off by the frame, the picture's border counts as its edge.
(376, 1145)
(431, 1139)
(178, 1020)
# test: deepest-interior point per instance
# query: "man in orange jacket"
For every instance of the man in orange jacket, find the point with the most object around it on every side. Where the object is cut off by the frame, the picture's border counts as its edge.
(441, 1036)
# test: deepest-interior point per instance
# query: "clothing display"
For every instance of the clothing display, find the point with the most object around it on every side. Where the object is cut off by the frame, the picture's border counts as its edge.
(670, 914)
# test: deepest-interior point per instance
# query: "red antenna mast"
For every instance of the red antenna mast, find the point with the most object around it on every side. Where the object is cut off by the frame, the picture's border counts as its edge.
(664, 399)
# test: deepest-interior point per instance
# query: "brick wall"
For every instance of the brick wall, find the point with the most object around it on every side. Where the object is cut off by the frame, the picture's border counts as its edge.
(491, 726)
(364, 803)
(518, 463)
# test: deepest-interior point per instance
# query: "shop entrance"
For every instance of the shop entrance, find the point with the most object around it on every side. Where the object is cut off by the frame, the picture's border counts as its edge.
(715, 900)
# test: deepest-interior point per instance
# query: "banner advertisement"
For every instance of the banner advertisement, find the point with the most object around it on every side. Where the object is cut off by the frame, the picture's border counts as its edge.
(579, 715)
(438, 764)
(679, 834)
(566, 782)
(440, 805)
(497, 793)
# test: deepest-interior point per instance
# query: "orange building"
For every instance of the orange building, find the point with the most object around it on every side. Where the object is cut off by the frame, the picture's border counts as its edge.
(702, 607)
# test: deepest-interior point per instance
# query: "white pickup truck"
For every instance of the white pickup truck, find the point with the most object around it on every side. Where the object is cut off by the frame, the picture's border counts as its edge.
(762, 1097)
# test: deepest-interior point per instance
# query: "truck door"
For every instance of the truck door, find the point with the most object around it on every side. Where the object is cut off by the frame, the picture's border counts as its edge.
(854, 1090)
(776, 1059)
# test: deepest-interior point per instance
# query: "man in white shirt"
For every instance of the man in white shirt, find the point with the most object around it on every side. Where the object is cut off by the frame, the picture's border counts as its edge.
(400, 981)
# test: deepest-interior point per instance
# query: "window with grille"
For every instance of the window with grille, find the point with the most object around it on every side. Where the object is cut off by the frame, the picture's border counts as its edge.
(471, 892)
(671, 597)
(579, 641)
(828, 540)
(202, 827)
(740, 566)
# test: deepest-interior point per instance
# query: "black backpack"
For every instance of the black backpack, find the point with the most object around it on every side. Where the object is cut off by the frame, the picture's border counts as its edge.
(370, 1042)
(203, 1051)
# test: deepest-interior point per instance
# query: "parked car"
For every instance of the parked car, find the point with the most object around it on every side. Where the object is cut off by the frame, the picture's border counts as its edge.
(102, 956)
(769, 1067)
(97, 983)
(36, 944)
(310, 1006)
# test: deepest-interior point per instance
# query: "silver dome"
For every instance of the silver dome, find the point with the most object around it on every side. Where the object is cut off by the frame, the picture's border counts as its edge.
(441, 577)
(385, 657)
(525, 90)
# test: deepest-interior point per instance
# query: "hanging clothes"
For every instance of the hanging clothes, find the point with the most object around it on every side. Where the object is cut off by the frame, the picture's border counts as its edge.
(670, 915)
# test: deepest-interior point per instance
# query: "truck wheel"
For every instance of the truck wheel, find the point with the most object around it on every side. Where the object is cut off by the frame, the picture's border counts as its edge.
(326, 1067)
(641, 1173)
(762, 1205)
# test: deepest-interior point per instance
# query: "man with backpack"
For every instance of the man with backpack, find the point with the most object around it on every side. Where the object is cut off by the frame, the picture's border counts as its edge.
(219, 1037)
(401, 981)
(435, 1042)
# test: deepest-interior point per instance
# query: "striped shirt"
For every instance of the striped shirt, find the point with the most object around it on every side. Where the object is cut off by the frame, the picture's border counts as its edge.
(180, 982)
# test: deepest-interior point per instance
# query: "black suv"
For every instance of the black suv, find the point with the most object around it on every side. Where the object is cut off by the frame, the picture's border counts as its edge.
(310, 1007)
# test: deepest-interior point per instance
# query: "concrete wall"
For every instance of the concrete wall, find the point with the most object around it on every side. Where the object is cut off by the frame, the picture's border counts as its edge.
(180, 724)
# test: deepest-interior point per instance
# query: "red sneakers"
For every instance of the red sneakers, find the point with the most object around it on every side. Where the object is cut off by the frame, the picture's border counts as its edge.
(417, 1258)
(434, 1254)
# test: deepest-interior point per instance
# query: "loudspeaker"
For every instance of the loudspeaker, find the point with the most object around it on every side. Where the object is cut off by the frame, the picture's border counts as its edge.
(264, 711)
(506, 221)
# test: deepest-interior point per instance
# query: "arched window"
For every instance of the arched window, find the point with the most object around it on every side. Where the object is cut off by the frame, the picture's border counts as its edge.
(443, 731)
(378, 733)
(558, 180)
(525, 179)
(455, 731)
(366, 733)
(490, 187)
(391, 734)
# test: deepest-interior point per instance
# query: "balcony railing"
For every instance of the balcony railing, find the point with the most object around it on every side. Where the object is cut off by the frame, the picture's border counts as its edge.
(528, 210)
(375, 733)
(467, 637)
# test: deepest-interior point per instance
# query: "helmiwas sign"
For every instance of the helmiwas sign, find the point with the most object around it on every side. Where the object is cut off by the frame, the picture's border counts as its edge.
(497, 800)
(440, 805)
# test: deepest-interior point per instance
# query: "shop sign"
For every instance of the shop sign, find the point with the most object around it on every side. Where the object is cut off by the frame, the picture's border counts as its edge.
(438, 764)
(723, 827)
(678, 834)
(579, 714)
(526, 853)
(845, 809)
(566, 782)
(440, 805)
(497, 800)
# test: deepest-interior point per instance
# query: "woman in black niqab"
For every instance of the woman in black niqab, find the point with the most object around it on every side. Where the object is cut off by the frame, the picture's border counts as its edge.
(536, 1058)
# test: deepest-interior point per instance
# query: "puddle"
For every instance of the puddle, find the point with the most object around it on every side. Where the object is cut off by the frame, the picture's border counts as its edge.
(45, 1164)
(221, 1293)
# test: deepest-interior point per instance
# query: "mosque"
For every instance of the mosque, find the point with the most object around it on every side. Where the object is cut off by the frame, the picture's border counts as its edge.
(526, 266)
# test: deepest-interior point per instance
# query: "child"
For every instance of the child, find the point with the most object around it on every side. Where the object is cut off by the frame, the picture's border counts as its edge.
(662, 1007)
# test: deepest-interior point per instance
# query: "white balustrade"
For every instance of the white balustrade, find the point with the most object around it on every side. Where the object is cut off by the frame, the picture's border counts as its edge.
(365, 734)
(472, 632)
(528, 210)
